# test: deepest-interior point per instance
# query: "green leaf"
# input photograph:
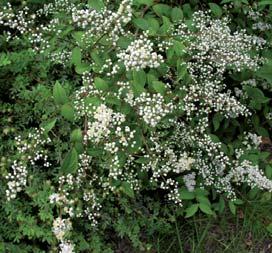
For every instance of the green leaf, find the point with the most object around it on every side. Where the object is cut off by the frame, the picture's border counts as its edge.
(159, 86)
(232, 207)
(96, 4)
(185, 194)
(166, 25)
(216, 9)
(139, 77)
(268, 171)
(153, 25)
(70, 163)
(82, 67)
(178, 48)
(262, 132)
(217, 119)
(265, 72)
(76, 56)
(176, 14)
(269, 228)
(4, 60)
(267, 2)
(141, 23)
(93, 101)
(100, 84)
(67, 111)
(205, 208)
(127, 189)
(221, 205)
(142, 160)
(214, 138)
(145, 2)
(256, 94)
(162, 10)
(203, 200)
(76, 135)
(59, 94)
(49, 125)
(191, 210)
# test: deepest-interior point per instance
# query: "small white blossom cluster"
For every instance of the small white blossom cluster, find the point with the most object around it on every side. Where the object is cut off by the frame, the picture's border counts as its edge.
(30, 151)
(214, 50)
(104, 120)
(151, 107)
(92, 211)
(250, 174)
(62, 57)
(105, 22)
(16, 180)
(66, 247)
(216, 45)
(16, 21)
(140, 54)
(60, 229)
(190, 181)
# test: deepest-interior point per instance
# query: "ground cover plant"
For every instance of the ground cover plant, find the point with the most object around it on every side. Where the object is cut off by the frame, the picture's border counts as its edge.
(123, 121)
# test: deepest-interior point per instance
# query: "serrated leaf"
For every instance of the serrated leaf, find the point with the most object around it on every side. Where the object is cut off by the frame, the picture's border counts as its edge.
(159, 87)
(216, 9)
(141, 23)
(221, 205)
(203, 200)
(82, 68)
(162, 9)
(191, 210)
(256, 94)
(217, 119)
(4, 60)
(232, 207)
(100, 84)
(139, 77)
(267, 2)
(153, 25)
(127, 189)
(184, 194)
(49, 125)
(176, 14)
(67, 111)
(70, 163)
(76, 56)
(96, 4)
(59, 94)
(145, 2)
(205, 208)
(76, 135)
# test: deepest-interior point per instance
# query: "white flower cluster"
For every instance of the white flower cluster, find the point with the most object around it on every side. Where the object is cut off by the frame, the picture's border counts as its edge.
(250, 174)
(215, 44)
(66, 247)
(105, 22)
(104, 120)
(140, 54)
(60, 229)
(16, 21)
(190, 181)
(152, 107)
(30, 151)
(214, 50)
(16, 180)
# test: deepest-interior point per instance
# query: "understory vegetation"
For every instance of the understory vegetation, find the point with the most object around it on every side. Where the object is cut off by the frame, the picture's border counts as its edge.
(135, 126)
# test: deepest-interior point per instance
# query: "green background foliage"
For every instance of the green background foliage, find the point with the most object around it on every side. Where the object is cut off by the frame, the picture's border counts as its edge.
(30, 97)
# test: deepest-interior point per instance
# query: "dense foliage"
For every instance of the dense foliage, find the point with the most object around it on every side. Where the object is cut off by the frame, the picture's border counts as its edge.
(120, 117)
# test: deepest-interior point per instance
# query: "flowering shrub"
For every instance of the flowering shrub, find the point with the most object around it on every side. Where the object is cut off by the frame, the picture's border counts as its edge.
(140, 109)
